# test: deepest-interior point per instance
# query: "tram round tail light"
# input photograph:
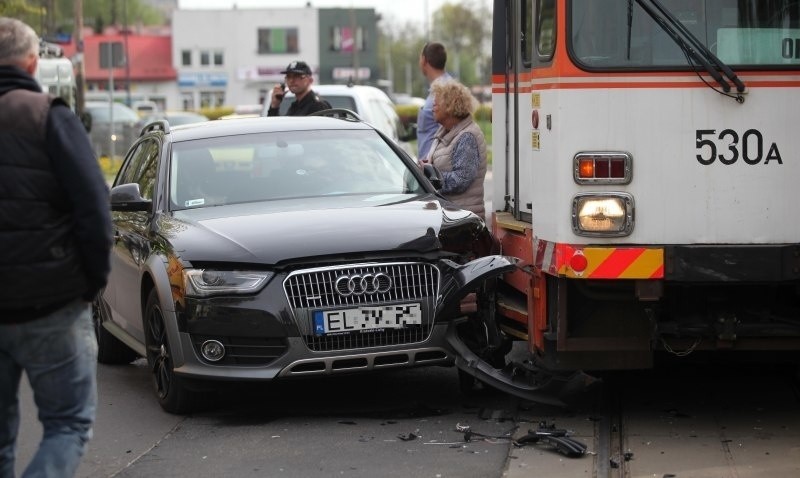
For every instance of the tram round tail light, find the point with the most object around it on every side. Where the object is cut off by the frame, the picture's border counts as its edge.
(578, 262)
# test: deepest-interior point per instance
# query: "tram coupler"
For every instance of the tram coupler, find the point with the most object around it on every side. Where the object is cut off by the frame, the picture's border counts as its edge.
(525, 379)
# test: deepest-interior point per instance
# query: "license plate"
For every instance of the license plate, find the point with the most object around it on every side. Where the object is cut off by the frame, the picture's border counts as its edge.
(365, 319)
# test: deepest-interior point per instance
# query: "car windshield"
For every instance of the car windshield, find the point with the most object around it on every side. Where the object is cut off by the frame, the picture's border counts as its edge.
(101, 113)
(268, 166)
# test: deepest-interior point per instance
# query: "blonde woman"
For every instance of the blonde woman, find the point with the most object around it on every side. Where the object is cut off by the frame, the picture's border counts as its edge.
(459, 148)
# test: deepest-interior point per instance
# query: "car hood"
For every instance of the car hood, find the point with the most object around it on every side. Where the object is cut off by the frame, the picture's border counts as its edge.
(275, 231)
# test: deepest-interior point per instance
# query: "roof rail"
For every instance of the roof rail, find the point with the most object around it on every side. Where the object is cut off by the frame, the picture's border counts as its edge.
(156, 125)
(50, 50)
(341, 113)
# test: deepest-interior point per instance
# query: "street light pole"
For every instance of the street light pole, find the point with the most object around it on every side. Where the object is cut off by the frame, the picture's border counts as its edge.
(427, 19)
(127, 59)
(111, 102)
(78, 59)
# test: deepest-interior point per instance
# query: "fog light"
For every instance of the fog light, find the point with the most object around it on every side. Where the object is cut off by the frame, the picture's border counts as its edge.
(212, 350)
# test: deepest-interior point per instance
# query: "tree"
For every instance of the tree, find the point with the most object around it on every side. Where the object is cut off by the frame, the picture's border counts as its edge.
(33, 15)
(104, 12)
(398, 55)
(463, 28)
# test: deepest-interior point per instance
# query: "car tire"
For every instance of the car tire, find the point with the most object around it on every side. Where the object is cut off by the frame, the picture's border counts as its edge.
(110, 350)
(171, 391)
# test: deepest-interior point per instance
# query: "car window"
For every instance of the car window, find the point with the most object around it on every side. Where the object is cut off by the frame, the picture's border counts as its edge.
(270, 166)
(140, 167)
(336, 101)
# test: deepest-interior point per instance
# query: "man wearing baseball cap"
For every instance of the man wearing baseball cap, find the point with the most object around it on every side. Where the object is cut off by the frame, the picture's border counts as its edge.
(299, 80)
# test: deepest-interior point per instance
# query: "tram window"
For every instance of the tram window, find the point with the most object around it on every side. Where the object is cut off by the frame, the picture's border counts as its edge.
(545, 28)
(527, 32)
(740, 32)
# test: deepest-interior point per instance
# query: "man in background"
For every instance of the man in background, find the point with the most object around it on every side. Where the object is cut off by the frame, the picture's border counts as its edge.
(432, 62)
(299, 80)
(55, 241)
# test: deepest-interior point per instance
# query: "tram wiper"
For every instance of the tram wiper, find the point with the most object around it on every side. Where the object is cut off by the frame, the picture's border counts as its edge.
(630, 28)
(692, 46)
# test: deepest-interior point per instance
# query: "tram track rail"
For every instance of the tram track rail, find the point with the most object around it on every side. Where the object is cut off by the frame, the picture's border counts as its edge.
(611, 455)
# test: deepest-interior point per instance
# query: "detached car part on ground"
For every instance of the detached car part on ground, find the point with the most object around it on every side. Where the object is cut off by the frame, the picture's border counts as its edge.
(270, 248)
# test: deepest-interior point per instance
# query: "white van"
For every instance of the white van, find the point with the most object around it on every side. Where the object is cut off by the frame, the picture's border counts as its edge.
(371, 104)
(56, 76)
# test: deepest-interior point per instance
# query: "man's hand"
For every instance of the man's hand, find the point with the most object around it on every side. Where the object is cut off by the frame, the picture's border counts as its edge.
(277, 95)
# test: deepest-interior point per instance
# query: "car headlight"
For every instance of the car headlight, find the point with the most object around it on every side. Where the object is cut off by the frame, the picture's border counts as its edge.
(602, 214)
(208, 282)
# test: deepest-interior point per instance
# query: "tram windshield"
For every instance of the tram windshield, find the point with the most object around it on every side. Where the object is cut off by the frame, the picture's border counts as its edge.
(614, 34)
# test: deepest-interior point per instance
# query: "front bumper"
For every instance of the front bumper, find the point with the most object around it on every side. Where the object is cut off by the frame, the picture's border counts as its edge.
(299, 361)
(272, 335)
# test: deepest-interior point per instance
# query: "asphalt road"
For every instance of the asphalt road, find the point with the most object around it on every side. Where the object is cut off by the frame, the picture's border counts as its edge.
(397, 424)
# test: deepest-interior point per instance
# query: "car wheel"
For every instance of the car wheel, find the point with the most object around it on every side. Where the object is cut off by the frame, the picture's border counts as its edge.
(110, 350)
(172, 394)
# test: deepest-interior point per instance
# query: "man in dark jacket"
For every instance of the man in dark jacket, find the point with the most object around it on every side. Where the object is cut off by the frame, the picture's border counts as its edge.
(55, 241)
(299, 80)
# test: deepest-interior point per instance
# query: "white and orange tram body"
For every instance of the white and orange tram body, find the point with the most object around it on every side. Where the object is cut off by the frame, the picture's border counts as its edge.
(646, 169)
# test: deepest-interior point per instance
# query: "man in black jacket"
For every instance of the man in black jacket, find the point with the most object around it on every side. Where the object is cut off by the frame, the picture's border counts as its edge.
(55, 241)
(299, 80)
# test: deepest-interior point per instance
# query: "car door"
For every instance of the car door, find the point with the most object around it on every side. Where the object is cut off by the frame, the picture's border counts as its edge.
(131, 239)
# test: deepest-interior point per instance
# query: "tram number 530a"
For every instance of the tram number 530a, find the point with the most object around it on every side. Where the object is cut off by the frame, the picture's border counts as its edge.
(748, 146)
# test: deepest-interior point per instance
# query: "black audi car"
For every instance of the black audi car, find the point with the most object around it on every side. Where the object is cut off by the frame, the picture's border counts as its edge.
(270, 248)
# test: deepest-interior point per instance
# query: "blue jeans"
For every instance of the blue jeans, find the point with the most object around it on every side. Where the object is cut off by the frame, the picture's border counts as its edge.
(58, 352)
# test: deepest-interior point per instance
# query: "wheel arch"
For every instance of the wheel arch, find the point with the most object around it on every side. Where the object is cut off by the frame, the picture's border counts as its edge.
(155, 277)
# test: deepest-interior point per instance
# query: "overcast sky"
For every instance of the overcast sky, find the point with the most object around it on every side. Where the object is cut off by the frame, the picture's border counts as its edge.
(396, 11)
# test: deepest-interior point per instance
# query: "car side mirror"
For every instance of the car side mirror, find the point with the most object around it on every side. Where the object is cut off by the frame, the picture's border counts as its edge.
(126, 197)
(409, 133)
(433, 175)
(86, 119)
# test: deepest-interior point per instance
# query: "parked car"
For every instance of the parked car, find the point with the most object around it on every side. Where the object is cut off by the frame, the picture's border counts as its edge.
(144, 107)
(368, 102)
(272, 248)
(102, 136)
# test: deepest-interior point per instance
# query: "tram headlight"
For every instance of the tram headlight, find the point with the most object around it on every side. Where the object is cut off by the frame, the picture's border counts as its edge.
(602, 214)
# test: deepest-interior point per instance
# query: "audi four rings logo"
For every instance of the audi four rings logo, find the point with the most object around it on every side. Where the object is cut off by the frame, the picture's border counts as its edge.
(361, 284)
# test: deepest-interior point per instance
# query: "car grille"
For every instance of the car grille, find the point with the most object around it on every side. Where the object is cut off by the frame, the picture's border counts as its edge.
(315, 289)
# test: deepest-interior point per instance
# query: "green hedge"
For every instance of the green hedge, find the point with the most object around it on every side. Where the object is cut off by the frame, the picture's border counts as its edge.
(408, 113)
(215, 113)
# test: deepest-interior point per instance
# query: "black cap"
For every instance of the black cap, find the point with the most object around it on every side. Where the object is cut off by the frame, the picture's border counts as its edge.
(298, 68)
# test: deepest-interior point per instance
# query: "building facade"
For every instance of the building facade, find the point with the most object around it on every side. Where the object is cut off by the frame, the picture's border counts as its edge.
(234, 57)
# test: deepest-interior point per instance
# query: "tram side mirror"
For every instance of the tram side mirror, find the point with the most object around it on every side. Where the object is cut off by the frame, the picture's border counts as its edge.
(86, 119)
(433, 175)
